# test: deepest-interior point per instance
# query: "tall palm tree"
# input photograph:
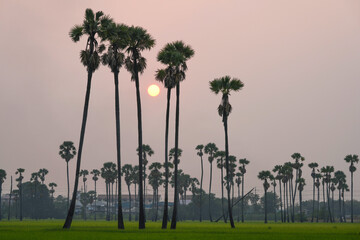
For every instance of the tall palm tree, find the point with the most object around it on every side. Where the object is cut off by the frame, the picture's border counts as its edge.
(200, 153)
(84, 173)
(116, 34)
(107, 173)
(95, 178)
(127, 171)
(334, 182)
(279, 177)
(135, 181)
(146, 151)
(52, 185)
(341, 179)
(298, 172)
(35, 179)
(352, 159)
(242, 168)
(155, 180)
(313, 166)
(301, 184)
(10, 199)
(238, 182)
(138, 41)
(211, 150)
(90, 58)
(265, 176)
(327, 179)
(168, 78)
(318, 176)
(225, 85)
(67, 152)
(273, 183)
(20, 171)
(220, 155)
(2, 179)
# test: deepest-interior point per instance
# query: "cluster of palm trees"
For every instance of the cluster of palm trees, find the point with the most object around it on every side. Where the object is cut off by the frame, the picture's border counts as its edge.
(290, 180)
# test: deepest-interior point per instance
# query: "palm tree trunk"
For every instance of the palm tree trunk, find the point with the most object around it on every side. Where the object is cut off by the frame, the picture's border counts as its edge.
(313, 203)
(324, 201)
(21, 202)
(281, 208)
(95, 202)
(275, 202)
(301, 212)
(140, 143)
(129, 202)
(222, 192)
(242, 198)
(265, 205)
(318, 204)
(166, 210)
(9, 211)
(68, 184)
(136, 215)
(340, 215)
(238, 219)
(333, 207)
(328, 201)
(0, 200)
(292, 207)
(118, 150)
(157, 204)
(210, 192)
(228, 170)
(176, 195)
(201, 189)
(287, 201)
(352, 196)
(343, 202)
(71, 211)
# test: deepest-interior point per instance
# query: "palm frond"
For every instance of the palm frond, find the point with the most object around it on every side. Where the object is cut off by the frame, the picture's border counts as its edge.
(76, 32)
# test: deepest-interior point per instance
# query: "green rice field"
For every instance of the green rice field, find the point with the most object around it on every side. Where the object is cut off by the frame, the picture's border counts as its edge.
(185, 231)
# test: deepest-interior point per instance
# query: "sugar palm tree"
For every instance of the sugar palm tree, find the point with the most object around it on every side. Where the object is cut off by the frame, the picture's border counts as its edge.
(334, 182)
(138, 41)
(2, 179)
(200, 153)
(301, 184)
(225, 85)
(90, 58)
(265, 176)
(220, 155)
(116, 34)
(20, 171)
(238, 182)
(146, 151)
(52, 185)
(84, 173)
(341, 180)
(273, 183)
(10, 199)
(327, 179)
(107, 173)
(242, 168)
(279, 177)
(127, 171)
(35, 179)
(318, 176)
(155, 180)
(135, 181)
(67, 152)
(298, 172)
(313, 166)
(352, 159)
(211, 150)
(95, 178)
(42, 173)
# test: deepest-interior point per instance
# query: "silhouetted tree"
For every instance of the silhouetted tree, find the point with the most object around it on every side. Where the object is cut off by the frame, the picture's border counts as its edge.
(220, 155)
(127, 171)
(265, 176)
(95, 178)
(200, 153)
(20, 171)
(352, 159)
(2, 179)
(242, 168)
(210, 149)
(313, 167)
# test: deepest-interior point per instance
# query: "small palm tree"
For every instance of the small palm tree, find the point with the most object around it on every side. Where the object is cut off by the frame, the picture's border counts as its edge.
(91, 26)
(225, 85)
(313, 166)
(220, 155)
(265, 176)
(67, 152)
(84, 173)
(341, 180)
(298, 172)
(52, 185)
(352, 159)
(127, 170)
(2, 179)
(107, 173)
(211, 150)
(200, 153)
(42, 173)
(95, 178)
(155, 180)
(138, 41)
(326, 171)
(278, 170)
(273, 183)
(238, 182)
(242, 168)
(301, 184)
(318, 176)
(20, 171)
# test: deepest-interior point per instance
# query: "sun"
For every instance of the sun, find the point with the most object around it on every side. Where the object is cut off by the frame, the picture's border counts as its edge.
(153, 90)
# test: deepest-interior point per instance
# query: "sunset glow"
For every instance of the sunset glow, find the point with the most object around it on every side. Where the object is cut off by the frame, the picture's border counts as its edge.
(153, 90)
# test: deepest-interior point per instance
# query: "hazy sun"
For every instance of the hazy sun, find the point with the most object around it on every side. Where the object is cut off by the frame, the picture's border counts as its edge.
(153, 90)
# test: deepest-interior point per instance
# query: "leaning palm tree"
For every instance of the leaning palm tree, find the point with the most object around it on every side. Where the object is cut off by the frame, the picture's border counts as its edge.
(225, 85)
(20, 171)
(127, 171)
(242, 168)
(185, 52)
(2, 179)
(200, 153)
(211, 150)
(313, 166)
(90, 58)
(116, 34)
(67, 152)
(352, 159)
(265, 176)
(95, 177)
(220, 155)
(138, 41)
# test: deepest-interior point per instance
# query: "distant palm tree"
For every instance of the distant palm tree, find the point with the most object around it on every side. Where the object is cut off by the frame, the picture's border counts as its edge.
(90, 58)
(138, 41)
(341, 180)
(116, 34)
(225, 85)
(334, 182)
(313, 166)
(352, 159)
(220, 155)
(318, 176)
(273, 183)
(155, 180)
(95, 178)
(107, 173)
(10, 199)
(279, 177)
(20, 171)
(200, 153)
(265, 176)
(52, 190)
(211, 150)
(345, 187)
(35, 179)
(127, 171)
(67, 152)
(42, 173)
(135, 181)
(146, 151)
(301, 184)
(327, 179)
(298, 172)
(2, 179)
(84, 173)
(242, 168)
(238, 182)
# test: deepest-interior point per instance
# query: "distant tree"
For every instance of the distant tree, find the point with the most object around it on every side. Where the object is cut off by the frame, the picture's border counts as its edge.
(20, 171)
(318, 176)
(242, 168)
(238, 182)
(67, 152)
(200, 153)
(52, 185)
(90, 58)
(84, 173)
(211, 150)
(155, 180)
(220, 155)
(225, 85)
(108, 174)
(265, 176)
(127, 171)
(341, 180)
(95, 178)
(138, 41)
(2, 179)
(273, 183)
(352, 159)
(298, 173)
(35, 180)
(334, 182)
(279, 177)
(313, 166)
(135, 181)
(42, 173)
(86, 198)
(327, 179)
(301, 184)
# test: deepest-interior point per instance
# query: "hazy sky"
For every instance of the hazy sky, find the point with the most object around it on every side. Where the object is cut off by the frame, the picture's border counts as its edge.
(299, 61)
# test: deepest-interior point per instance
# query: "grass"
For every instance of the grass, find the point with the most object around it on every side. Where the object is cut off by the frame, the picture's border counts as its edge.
(99, 230)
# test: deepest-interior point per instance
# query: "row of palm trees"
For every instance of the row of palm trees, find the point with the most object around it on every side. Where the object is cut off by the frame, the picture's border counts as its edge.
(289, 175)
